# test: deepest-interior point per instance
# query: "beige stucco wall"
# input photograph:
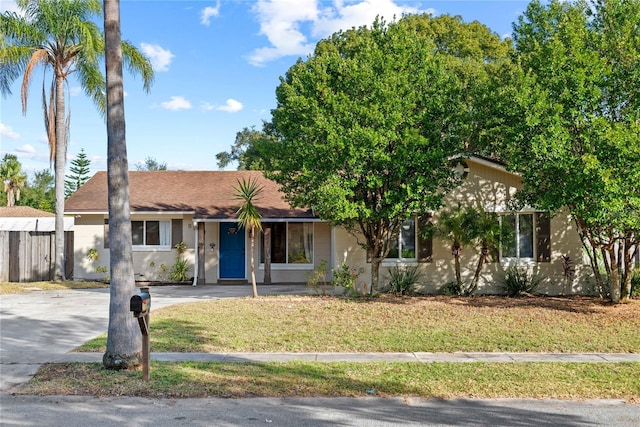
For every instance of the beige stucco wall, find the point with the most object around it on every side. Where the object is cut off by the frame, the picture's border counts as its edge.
(147, 264)
(487, 188)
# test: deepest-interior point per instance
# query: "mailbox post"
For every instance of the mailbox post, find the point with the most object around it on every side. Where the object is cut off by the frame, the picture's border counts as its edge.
(140, 305)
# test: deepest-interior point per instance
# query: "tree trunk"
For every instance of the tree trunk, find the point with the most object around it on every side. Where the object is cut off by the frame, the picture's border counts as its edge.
(124, 342)
(476, 276)
(59, 165)
(375, 274)
(614, 278)
(253, 267)
(626, 284)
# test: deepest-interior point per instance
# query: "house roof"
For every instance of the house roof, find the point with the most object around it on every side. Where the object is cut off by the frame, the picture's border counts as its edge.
(22, 212)
(25, 218)
(206, 194)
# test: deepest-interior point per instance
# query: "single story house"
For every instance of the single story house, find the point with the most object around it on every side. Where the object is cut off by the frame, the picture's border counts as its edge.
(199, 209)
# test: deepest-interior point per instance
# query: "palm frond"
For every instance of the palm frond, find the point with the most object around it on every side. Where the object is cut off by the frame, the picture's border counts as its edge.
(248, 214)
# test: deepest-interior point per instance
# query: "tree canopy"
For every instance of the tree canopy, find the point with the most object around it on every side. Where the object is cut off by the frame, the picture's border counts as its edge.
(151, 164)
(578, 142)
(365, 128)
(63, 37)
(79, 173)
(12, 177)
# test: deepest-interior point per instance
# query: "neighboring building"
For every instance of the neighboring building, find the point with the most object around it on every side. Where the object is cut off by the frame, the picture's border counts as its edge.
(27, 244)
(199, 208)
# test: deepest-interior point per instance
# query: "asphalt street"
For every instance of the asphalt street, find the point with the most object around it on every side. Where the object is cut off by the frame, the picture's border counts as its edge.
(45, 326)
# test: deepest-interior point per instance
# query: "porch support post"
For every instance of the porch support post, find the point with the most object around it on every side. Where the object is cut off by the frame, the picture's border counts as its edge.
(200, 256)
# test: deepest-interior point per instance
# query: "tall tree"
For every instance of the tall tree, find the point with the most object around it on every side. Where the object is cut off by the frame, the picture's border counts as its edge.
(61, 36)
(364, 129)
(245, 150)
(151, 164)
(124, 343)
(12, 177)
(577, 144)
(79, 173)
(40, 191)
(249, 218)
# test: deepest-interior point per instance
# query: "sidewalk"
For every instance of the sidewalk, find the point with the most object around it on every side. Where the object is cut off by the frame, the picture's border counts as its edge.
(423, 357)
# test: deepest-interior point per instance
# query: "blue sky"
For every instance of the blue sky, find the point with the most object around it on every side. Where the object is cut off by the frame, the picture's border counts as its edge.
(217, 65)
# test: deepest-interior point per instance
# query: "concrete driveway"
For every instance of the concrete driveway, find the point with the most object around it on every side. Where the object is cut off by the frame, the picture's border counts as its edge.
(42, 326)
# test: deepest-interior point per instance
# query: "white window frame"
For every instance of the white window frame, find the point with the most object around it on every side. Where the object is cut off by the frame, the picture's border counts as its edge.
(400, 259)
(289, 265)
(164, 231)
(513, 260)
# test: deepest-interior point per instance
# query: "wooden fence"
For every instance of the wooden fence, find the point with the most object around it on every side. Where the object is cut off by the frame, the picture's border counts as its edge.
(28, 256)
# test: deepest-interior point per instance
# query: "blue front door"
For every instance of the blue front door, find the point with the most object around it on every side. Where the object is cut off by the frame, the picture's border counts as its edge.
(232, 251)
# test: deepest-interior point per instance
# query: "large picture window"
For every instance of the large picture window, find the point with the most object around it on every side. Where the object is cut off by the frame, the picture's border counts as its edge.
(151, 233)
(291, 242)
(518, 232)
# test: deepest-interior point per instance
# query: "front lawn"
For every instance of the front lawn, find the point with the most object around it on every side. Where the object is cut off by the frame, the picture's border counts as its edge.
(390, 324)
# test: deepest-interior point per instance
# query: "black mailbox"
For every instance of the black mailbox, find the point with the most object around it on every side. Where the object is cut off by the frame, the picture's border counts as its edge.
(140, 304)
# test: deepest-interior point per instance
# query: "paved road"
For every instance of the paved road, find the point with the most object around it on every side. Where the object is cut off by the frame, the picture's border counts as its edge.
(44, 326)
(81, 411)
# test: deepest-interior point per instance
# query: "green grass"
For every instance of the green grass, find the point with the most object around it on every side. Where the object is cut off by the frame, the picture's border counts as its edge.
(304, 379)
(385, 324)
(390, 324)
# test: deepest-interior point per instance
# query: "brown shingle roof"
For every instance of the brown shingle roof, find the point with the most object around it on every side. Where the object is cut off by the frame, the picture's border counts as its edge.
(209, 194)
(22, 212)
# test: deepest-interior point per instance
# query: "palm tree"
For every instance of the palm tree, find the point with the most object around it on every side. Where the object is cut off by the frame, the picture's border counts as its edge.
(249, 217)
(123, 338)
(60, 36)
(12, 177)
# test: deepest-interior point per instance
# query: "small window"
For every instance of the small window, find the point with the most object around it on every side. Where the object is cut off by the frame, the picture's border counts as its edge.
(291, 242)
(404, 246)
(151, 233)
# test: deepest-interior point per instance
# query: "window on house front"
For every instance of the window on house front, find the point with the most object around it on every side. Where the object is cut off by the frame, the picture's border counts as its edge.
(291, 242)
(404, 246)
(151, 233)
(518, 236)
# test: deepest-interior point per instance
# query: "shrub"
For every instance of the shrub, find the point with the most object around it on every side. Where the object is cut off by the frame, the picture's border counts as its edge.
(346, 277)
(179, 270)
(317, 280)
(452, 288)
(402, 280)
(635, 283)
(517, 282)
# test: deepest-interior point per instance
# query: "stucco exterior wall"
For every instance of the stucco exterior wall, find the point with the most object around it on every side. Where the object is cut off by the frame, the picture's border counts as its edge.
(487, 188)
(148, 264)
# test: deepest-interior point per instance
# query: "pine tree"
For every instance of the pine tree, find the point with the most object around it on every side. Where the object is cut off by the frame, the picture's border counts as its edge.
(79, 174)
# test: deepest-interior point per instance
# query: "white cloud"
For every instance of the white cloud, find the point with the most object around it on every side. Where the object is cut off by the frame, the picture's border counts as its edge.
(208, 12)
(231, 106)
(26, 149)
(176, 103)
(283, 23)
(8, 132)
(160, 58)
(75, 90)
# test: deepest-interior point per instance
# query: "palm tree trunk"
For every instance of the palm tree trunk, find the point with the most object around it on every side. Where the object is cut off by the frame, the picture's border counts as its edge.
(59, 164)
(253, 268)
(124, 342)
